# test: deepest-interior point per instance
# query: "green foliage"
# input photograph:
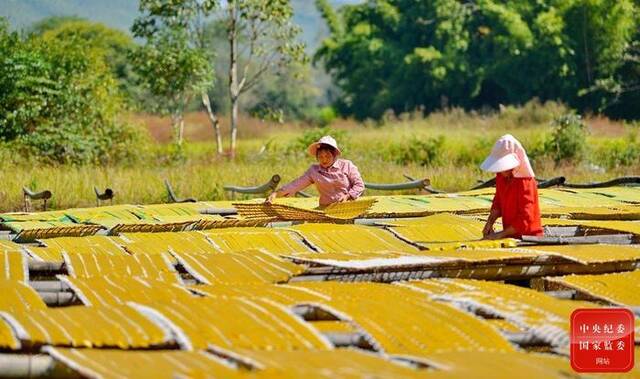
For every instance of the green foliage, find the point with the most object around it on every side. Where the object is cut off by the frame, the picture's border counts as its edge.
(618, 152)
(425, 152)
(288, 95)
(59, 101)
(598, 31)
(176, 154)
(311, 135)
(267, 38)
(330, 16)
(25, 85)
(404, 55)
(51, 23)
(114, 44)
(474, 153)
(185, 15)
(324, 116)
(172, 66)
(568, 139)
(171, 71)
(73, 144)
(533, 112)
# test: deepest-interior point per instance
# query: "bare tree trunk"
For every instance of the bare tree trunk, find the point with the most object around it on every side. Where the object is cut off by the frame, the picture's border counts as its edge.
(177, 123)
(181, 130)
(233, 73)
(234, 125)
(214, 121)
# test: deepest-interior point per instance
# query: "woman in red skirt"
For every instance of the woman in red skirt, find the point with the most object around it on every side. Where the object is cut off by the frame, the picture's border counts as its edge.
(516, 198)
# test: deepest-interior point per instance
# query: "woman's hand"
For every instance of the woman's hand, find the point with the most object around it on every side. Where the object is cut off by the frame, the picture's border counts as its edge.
(488, 229)
(271, 198)
(507, 233)
(343, 198)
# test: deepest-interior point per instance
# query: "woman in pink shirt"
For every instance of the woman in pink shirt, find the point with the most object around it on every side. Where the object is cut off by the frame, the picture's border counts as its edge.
(336, 180)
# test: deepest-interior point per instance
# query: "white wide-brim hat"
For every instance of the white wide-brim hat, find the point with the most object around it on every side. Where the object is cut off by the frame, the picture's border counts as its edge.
(326, 140)
(499, 163)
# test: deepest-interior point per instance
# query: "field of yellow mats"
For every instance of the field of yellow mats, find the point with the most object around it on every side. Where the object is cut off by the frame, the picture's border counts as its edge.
(614, 203)
(388, 287)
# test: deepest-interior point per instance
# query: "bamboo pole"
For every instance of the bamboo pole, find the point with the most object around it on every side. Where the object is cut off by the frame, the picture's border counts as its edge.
(499, 272)
(34, 366)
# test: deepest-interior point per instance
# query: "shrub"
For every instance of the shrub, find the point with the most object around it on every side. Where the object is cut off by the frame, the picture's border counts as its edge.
(60, 102)
(473, 154)
(311, 135)
(533, 112)
(568, 139)
(324, 116)
(426, 152)
(618, 152)
(70, 144)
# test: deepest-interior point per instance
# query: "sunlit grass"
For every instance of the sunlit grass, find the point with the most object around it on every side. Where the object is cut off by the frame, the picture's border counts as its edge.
(269, 149)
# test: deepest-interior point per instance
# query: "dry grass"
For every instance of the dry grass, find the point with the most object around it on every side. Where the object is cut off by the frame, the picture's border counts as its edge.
(203, 174)
(73, 186)
(198, 127)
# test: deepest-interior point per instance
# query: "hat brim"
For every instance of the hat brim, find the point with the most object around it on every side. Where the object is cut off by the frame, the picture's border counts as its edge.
(500, 163)
(313, 148)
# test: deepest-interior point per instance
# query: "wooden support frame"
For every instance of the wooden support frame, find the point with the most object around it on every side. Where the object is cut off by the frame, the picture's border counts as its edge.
(625, 180)
(420, 184)
(542, 183)
(108, 194)
(427, 188)
(30, 195)
(173, 198)
(269, 186)
(480, 271)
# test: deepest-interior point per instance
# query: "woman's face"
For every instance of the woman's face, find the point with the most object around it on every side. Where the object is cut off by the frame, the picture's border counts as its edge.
(325, 158)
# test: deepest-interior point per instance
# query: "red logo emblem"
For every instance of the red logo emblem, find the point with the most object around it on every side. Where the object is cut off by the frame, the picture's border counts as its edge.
(602, 340)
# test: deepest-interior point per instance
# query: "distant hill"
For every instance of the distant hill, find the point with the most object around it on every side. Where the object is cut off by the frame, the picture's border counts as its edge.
(115, 13)
(121, 13)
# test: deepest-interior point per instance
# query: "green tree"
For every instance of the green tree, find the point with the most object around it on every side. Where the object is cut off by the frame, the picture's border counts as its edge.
(174, 73)
(605, 36)
(599, 33)
(623, 88)
(60, 101)
(286, 95)
(260, 37)
(191, 17)
(399, 55)
(115, 45)
(268, 37)
(404, 55)
(50, 23)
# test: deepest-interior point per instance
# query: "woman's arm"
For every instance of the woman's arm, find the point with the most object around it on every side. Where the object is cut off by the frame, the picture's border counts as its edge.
(508, 232)
(488, 227)
(357, 185)
(293, 187)
(493, 215)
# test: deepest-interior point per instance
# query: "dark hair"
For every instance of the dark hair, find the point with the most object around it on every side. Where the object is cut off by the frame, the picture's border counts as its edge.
(325, 147)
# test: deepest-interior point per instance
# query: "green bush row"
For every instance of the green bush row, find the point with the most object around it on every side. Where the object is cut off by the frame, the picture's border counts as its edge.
(567, 142)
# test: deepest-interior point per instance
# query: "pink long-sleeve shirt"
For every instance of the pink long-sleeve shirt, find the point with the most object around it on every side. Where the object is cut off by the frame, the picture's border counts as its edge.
(341, 178)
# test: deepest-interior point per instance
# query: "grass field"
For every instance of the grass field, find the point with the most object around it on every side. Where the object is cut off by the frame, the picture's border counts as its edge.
(445, 147)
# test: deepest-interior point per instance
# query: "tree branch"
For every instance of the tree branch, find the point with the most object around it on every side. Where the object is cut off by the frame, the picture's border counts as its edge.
(264, 66)
(253, 38)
